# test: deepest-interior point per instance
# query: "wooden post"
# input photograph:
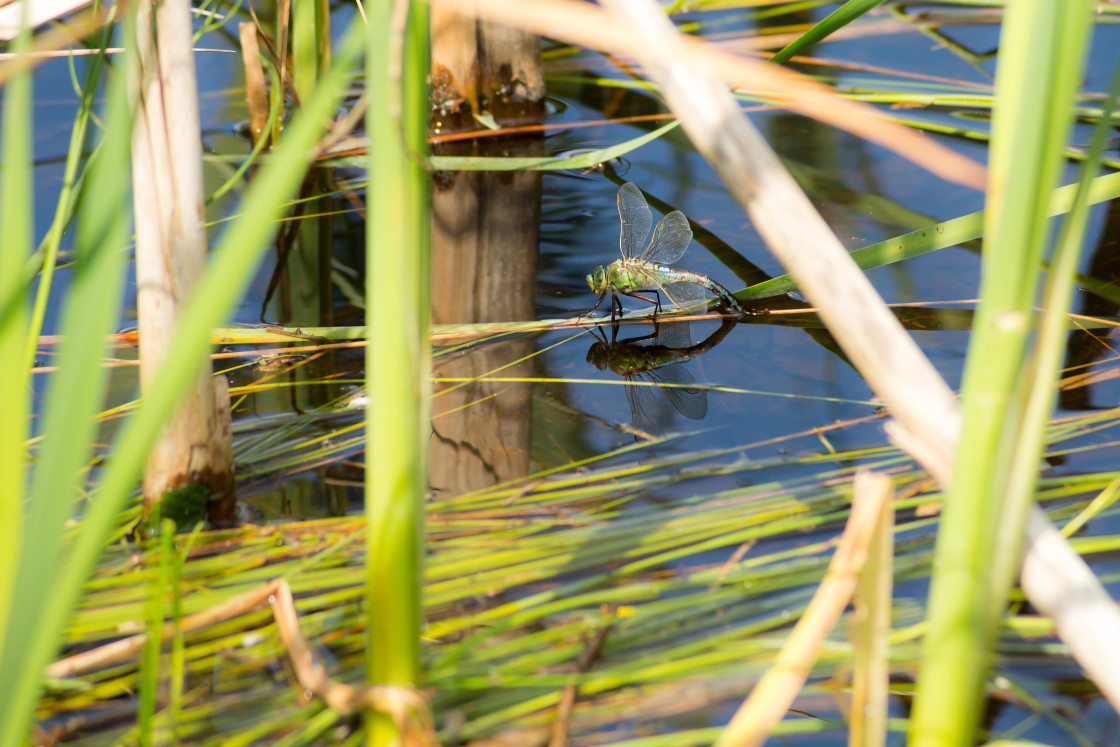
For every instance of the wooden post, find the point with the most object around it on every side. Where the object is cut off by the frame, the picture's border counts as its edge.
(484, 244)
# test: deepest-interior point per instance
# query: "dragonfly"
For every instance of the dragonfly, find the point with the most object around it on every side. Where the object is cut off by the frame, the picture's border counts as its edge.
(649, 270)
(659, 364)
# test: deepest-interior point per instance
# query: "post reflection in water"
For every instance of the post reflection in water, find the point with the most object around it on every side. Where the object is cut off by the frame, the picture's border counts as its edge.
(484, 262)
(659, 364)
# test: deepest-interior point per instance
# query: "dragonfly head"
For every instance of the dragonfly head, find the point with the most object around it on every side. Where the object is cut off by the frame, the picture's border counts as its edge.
(598, 280)
(599, 354)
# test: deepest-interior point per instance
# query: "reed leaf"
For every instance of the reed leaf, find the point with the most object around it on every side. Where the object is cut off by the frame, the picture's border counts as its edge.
(15, 378)
(945, 234)
(397, 298)
(1042, 51)
(238, 253)
(74, 397)
(837, 19)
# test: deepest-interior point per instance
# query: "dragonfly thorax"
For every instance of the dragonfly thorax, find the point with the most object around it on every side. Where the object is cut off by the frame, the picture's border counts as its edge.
(628, 276)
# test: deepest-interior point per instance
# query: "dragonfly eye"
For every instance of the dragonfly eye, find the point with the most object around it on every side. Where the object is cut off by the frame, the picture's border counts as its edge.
(599, 355)
(597, 279)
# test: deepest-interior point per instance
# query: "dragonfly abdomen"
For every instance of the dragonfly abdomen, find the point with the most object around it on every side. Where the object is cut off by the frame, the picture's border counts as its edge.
(673, 275)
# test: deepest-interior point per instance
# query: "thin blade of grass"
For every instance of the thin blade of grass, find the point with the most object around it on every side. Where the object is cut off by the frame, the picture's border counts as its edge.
(941, 235)
(582, 161)
(835, 20)
(67, 197)
(870, 631)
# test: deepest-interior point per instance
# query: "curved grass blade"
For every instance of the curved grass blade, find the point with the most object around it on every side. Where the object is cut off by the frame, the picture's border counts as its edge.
(583, 161)
(939, 236)
(835, 21)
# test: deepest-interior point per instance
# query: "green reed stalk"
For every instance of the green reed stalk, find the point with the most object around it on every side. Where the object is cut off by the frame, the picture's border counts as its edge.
(1042, 51)
(16, 217)
(48, 251)
(75, 395)
(159, 586)
(397, 367)
(311, 43)
(50, 584)
(310, 258)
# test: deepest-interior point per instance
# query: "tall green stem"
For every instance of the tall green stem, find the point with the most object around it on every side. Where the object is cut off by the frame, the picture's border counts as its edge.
(397, 367)
(1042, 49)
(16, 217)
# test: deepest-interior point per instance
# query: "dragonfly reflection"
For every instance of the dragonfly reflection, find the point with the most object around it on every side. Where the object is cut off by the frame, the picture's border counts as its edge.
(658, 363)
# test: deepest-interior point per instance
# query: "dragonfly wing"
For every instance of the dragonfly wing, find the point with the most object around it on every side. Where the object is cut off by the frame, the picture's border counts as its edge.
(675, 335)
(636, 219)
(645, 408)
(684, 295)
(670, 239)
(687, 399)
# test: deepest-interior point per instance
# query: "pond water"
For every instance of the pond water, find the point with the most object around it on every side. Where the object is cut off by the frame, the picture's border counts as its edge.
(768, 390)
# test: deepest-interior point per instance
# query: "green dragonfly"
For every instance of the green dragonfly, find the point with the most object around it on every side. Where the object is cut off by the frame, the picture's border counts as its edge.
(649, 271)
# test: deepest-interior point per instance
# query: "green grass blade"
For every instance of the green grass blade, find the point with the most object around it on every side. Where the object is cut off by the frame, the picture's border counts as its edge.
(239, 252)
(158, 587)
(835, 21)
(65, 205)
(17, 220)
(941, 235)
(397, 367)
(582, 161)
(75, 395)
(549, 163)
(1042, 49)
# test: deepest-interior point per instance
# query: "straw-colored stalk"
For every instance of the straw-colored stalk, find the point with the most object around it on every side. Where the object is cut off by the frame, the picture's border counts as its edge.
(870, 631)
(171, 248)
(774, 694)
(397, 299)
(256, 93)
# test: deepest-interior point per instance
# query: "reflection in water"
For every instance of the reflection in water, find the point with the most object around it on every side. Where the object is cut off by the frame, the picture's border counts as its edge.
(1085, 346)
(484, 262)
(658, 363)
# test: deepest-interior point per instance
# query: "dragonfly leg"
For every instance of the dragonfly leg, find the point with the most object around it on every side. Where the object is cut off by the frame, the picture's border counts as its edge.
(592, 309)
(655, 301)
(632, 340)
(616, 307)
